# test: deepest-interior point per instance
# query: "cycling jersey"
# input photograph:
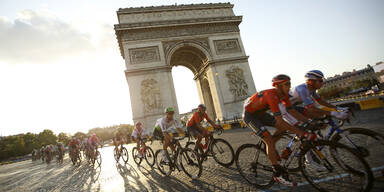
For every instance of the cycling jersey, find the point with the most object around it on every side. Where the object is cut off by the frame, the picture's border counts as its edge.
(164, 125)
(93, 140)
(136, 133)
(73, 142)
(301, 95)
(262, 101)
(197, 118)
(118, 136)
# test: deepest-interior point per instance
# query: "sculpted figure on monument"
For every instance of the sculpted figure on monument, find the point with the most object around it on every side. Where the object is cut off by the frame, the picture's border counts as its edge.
(150, 95)
(236, 80)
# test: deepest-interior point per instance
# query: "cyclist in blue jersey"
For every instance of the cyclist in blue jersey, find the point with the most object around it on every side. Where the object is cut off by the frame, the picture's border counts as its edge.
(304, 97)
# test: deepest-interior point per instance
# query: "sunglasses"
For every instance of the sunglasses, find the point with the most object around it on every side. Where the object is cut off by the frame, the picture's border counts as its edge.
(287, 84)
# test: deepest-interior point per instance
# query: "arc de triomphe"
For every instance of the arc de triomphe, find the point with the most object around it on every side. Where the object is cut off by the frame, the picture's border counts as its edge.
(202, 37)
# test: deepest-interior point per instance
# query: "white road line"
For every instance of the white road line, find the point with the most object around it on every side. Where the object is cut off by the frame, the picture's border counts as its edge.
(376, 169)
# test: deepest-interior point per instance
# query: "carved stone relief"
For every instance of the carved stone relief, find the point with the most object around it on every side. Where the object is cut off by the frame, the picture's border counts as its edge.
(144, 55)
(237, 85)
(227, 46)
(165, 32)
(168, 45)
(150, 96)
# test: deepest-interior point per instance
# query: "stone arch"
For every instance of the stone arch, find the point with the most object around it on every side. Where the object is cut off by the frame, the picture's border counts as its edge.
(195, 47)
(194, 57)
(204, 38)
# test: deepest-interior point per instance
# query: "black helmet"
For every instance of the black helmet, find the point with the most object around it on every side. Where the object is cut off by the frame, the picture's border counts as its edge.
(202, 106)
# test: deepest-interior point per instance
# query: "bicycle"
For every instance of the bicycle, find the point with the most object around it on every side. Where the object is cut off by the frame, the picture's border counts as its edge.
(60, 156)
(363, 141)
(48, 156)
(95, 157)
(76, 157)
(253, 164)
(183, 157)
(219, 149)
(145, 152)
(122, 152)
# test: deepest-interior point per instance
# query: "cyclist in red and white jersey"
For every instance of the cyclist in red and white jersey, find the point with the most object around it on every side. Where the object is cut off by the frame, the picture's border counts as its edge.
(194, 127)
(93, 141)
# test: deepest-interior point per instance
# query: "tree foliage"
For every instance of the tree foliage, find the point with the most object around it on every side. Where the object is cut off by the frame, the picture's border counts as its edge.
(23, 144)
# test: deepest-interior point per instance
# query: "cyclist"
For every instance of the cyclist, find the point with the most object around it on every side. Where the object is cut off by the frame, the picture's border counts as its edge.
(194, 127)
(256, 117)
(165, 123)
(305, 95)
(118, 140)
(93, 141)
(60, 149)
(137, 133)
(158, 134)
(42, 152)
(73, 145)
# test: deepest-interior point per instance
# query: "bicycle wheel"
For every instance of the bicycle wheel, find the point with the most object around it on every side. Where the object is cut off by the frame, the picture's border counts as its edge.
(78, 158)
(365, 142)
(98, 158)
(190, 163)
(335, 175)
(124, 155)
(136, 158)
(222, 152)
(164, 167)
(292, 163)
(149, 156)
(73, 158)
(254, 166)
(191, 145)
(116, 155)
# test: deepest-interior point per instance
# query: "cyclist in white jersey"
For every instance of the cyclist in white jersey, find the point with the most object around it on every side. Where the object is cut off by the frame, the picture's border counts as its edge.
(165, 123)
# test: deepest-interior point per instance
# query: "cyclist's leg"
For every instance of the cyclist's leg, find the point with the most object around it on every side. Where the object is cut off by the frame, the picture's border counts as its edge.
(137, 144)
(205, 134)
(257, 123)
(194, 131)
(167, 142)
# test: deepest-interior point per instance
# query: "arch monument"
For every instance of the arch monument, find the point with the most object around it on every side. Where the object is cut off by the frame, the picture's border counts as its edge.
(205, 38)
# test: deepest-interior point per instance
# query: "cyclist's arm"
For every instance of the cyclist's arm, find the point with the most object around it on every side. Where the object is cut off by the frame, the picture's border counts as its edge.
(210, 121)
(297, 115)
(326, 104)
(314, 110)
(273, 102)
(309, 104)
(280, 123)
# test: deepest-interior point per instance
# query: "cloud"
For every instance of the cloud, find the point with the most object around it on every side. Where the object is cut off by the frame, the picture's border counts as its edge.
(40, 37)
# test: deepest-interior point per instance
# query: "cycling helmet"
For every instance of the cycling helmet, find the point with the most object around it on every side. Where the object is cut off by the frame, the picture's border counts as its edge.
(202, 106)
(280, 79)
(169, 109)
(314, 74)
(138, 123)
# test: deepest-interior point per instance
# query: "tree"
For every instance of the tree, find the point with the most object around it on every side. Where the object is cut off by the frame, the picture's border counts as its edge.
(63, 138)
(47, 137)
(31, 142)
(80, 135)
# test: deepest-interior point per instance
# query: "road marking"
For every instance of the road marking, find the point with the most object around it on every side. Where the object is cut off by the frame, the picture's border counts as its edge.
(376, 169)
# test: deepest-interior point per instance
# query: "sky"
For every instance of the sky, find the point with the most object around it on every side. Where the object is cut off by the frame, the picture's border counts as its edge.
(61, 69)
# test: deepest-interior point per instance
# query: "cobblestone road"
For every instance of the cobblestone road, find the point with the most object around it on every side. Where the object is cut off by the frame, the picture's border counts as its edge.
(112, 176)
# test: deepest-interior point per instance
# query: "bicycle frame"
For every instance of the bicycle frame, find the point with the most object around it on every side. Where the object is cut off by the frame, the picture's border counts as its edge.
(335, 128)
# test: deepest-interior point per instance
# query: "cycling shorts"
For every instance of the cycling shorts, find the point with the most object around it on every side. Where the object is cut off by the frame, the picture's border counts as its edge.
(194, 130)
(257, 122)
